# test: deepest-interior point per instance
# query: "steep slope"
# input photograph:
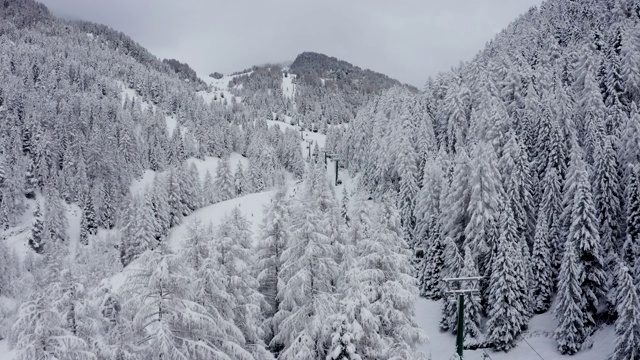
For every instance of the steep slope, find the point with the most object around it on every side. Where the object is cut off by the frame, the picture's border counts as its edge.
(528, 150)
(85, 112)
(318, 90)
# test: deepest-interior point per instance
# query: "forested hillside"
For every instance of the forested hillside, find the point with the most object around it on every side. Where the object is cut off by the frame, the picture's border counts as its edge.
(522, 166)
(324, 90)
(144, 215)
(108, 155)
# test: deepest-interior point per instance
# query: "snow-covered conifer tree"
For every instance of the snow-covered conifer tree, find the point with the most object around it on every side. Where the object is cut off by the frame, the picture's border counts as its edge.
(628, 323)
(275, 235)
(232, 252)
(168, 323)
(606, 191)
(408, 172)
(507, 297)
(542, 281)
(484, 205)
(36, 238)
(224, 183)
(307, 274)
(456, 203)
(551, 205)
(160, 207)
(431, 266)
(208, 189)
(55, 217)
(516, 182)
(88, 224)
(584, 233)
(177, 206)
(472, 307)
(239, 180)
(453, 263)
(570, 303)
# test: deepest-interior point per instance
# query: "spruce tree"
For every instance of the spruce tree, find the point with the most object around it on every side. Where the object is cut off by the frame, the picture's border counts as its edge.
(160, 207)
(456, 203)
(472, 307)
(432, 264)
(55, 217)
(344, 205)
(570, 302)
(507, 307)
(542, 281)
(88, 224)
(453, 264)
(632, 203)
(36, 238)
(428, 201)
(584, 233)
(224, 183)
(239, 180)
(408, 171)
(208, 189)
(607, 195)
(516, 182)
(177, 206)
(628, 323)
(194, 195)
(551, 205)
(484, 205)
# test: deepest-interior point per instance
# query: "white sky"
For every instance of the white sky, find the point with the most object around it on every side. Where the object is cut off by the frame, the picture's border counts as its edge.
(406, 39)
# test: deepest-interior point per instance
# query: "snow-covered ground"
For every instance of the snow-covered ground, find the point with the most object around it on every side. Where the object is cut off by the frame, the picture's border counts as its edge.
(127, 92)
(5, 353)
(307, 136)
(539, 337)
(220, 89)
(208, 164)
(288, 88)
(251, 206)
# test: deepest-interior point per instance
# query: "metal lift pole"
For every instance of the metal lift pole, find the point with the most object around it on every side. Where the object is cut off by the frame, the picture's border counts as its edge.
(464, 286)
(460, 332)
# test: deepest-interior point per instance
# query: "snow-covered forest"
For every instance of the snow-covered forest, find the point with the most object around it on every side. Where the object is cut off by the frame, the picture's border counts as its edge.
(146, 214)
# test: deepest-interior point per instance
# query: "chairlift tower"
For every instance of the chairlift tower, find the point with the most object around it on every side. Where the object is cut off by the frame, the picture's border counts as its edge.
(336, 159)
(309, 142)
(455, 287)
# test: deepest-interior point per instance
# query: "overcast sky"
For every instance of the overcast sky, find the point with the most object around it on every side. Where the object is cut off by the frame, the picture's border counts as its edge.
(406, 39)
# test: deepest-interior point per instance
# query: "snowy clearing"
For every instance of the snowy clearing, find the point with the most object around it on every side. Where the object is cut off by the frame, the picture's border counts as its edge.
(288, 88)
(309, 136)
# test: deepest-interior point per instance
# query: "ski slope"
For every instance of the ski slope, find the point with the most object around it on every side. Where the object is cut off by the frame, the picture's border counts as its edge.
(220, 89)
(288, 87)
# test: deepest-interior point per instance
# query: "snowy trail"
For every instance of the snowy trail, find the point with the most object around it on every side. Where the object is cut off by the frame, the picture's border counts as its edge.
(288, 87)
(251, 206)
